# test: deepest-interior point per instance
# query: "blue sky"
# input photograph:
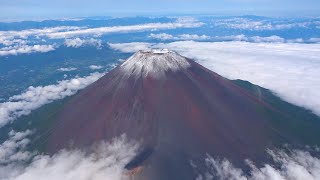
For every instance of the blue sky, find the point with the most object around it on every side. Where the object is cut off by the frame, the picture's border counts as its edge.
(77, 8)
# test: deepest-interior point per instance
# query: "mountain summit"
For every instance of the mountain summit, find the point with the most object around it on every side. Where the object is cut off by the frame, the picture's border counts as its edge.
(154, 63)
(179, 111)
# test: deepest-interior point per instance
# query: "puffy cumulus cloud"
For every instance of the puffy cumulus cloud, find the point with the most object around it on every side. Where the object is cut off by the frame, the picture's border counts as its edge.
(130, 47)
(162, 36)
(298, 165)
(35, 97)
(95, 67)
(103, 161)
(11, 149)
(289, 70)
(10, 42)
(25, 49)
(77, 42)
(260, 25)
(67, 69)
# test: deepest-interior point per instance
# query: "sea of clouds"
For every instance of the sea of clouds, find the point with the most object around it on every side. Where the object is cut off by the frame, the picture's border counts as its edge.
(291, 71)
(240, 37)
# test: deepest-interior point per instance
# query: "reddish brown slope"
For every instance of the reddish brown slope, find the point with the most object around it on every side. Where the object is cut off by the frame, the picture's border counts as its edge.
(178, 109)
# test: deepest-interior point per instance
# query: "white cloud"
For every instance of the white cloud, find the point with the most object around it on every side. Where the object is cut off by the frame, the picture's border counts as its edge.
(77, 42)
(193, 37)
(35, 97)
(103, 161)
(164, 36)
(289, 70)
(130, 47)
(10, 42)
(191, 23)
(259, 39)
(23, 34)
(25, 49)
(241, 37)
(67, 69)
(95, 67)
(298, 165)
(66, 32)
(314, 40)
(106, 161)
(9, 149)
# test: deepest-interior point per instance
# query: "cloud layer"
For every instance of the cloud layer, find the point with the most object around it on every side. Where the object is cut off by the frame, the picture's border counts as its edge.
(63, 32)
(35, 97)
(289, 70)
(241, 37)
(24, 34)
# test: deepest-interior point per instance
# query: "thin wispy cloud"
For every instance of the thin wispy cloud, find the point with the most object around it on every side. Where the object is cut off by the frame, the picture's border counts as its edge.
(185, 23)
(67, 69)
(164, 36)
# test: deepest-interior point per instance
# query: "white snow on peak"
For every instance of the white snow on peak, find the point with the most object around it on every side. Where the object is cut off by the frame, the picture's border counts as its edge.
(160, 51)
(154, 62)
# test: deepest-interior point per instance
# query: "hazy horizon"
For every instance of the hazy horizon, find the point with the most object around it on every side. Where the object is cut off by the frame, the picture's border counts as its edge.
(35, 9)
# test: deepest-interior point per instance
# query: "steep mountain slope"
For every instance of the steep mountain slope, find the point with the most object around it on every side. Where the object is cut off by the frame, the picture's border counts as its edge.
(178, 110)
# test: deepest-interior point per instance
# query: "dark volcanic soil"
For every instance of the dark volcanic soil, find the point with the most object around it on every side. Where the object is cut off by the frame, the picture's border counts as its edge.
(178, 114)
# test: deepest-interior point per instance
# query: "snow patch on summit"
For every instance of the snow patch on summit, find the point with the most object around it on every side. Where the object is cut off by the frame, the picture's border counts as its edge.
(154, 62)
